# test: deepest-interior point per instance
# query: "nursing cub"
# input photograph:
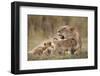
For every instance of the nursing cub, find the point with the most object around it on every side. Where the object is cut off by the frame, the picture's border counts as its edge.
(45, 49)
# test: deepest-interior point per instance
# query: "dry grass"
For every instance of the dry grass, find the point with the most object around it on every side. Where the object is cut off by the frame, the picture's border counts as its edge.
(83, 54)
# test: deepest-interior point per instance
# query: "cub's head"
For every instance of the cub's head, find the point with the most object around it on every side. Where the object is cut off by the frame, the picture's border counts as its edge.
(47, 44)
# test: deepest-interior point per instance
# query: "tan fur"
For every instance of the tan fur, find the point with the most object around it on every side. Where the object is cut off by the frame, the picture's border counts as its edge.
(46, 49)
(49, 50)
(38, 51)
(67, 39)
(65, 45)
(69, 32)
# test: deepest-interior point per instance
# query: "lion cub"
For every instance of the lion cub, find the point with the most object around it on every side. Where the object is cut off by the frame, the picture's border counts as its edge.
(46, 48)
(49, 50)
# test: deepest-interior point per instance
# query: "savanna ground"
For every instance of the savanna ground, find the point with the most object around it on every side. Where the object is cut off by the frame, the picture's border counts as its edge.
(41, 28)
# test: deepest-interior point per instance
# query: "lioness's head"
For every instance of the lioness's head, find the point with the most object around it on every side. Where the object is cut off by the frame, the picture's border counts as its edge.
(65, 32)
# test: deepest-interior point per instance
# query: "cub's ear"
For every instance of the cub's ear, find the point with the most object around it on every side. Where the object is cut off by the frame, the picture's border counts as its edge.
(49, 43)
(72, 29)
(44, 44)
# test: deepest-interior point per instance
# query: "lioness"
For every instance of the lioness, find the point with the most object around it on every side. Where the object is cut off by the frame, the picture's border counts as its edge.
(65, 45)
(69, 32)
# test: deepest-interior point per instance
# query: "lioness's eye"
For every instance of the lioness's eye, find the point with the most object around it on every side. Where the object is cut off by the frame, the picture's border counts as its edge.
(59, 31)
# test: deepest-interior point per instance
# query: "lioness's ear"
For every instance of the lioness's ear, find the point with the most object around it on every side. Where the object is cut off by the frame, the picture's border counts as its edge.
(72, 29)
(44, 44)
(49, 43)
